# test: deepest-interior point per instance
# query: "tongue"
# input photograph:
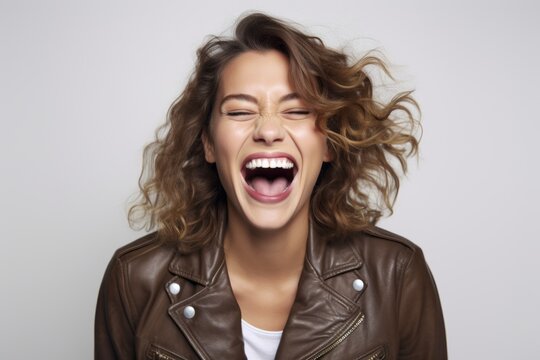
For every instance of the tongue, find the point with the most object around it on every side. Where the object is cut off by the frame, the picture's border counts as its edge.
(269, 187)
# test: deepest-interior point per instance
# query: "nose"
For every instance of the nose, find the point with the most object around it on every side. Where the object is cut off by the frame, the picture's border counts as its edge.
(268, 129)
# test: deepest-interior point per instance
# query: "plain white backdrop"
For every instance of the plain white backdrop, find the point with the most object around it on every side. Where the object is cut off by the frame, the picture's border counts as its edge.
(83, 85)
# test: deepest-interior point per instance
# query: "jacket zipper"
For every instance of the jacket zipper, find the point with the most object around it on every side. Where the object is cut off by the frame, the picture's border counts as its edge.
(357, 321)
(157, 354)
(379, 355)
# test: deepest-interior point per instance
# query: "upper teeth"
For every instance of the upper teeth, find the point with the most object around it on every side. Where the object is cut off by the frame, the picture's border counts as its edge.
(272, 163)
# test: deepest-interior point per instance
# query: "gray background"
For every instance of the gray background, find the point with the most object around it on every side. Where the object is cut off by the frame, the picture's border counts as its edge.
(84, 85)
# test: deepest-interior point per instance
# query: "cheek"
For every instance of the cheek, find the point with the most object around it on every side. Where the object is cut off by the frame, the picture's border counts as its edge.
(224, 154)
(312, 143)
(225, 142)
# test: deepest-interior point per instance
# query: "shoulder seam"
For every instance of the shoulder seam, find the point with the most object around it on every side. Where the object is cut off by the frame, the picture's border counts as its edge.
(387, 235)
(142, 242)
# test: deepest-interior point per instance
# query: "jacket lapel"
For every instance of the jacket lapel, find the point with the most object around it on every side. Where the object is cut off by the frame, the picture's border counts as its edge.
(320, 315)
(215, 330)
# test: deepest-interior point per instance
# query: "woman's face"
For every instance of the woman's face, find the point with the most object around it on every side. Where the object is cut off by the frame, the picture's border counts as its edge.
(267, 149)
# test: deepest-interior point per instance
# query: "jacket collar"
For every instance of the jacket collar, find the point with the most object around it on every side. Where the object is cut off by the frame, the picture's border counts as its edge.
(327, 257)
(319, 314)
(201, 266)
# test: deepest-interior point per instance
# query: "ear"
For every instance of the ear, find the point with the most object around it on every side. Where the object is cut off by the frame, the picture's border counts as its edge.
(328, 155)
(209, 154)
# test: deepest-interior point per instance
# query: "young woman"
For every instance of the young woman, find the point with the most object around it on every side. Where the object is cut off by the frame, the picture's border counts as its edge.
(265, 186)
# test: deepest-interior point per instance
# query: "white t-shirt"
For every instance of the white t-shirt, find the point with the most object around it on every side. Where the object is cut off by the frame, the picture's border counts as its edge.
(260, 344)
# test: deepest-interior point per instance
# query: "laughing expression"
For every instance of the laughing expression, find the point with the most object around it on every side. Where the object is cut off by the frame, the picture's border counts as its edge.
(264, 142)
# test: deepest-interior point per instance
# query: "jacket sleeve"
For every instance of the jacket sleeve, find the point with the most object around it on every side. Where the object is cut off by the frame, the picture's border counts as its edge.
(421, 324)
(114, 331)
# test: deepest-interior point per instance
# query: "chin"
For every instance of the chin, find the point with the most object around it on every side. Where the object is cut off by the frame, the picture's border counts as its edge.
(269, 223)
(272, 217)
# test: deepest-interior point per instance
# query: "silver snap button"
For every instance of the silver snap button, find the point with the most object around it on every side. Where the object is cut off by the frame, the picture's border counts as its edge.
(174, 288)
(358, 285)
(189, 312)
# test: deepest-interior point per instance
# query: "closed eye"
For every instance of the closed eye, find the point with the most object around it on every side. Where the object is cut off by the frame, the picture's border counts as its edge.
(240, 115)
(297, 114)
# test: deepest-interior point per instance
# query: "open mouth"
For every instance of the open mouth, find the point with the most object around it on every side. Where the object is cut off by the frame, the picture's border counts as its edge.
(269, 177)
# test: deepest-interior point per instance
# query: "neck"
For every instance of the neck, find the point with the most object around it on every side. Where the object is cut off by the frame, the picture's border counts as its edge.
(266, 254)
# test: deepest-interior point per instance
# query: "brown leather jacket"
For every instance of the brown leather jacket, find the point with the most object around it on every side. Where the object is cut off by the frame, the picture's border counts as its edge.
(392, 313)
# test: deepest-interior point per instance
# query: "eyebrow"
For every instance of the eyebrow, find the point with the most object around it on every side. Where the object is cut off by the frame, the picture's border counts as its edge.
(252, 99)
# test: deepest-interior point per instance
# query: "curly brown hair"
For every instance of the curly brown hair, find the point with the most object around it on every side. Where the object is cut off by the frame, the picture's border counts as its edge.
(180, 193)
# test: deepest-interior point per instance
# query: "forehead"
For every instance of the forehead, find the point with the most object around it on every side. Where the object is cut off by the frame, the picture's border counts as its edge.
(256, 71)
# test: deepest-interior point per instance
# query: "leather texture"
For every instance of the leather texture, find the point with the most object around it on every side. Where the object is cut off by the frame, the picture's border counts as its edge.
(396, 315)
